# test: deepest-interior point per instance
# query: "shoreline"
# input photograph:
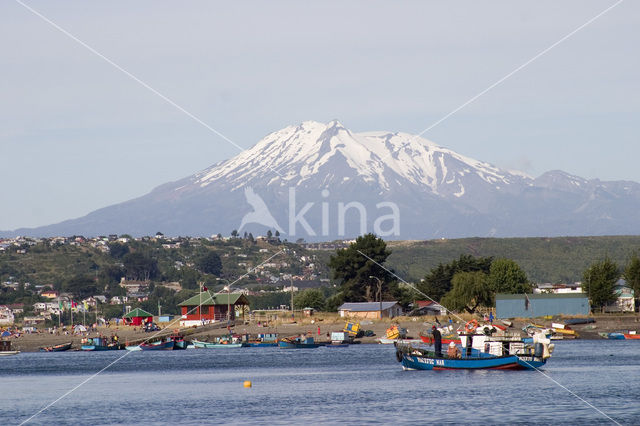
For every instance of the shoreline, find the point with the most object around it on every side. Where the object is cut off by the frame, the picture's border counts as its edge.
(326, 323)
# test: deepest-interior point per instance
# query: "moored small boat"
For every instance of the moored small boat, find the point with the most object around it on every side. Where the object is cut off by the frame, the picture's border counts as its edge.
(217, 345)
(98, 344)
(497, 353)
(417, 359)
(57, 348)
(298, 343)
(613, 336)
(262, 344)
(5, 348)
(157, 346)
(336, 345)
(264, 340)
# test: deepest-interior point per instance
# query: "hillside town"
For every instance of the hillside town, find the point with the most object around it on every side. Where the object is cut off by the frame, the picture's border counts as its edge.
(263, 275)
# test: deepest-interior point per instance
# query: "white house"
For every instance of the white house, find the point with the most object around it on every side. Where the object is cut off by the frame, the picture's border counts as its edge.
(625, 301)
(6, 316)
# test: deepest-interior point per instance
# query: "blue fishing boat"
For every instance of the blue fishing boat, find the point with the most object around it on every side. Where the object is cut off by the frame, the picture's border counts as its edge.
(298, 343)
(99, 344)
(262, 344)
(425, 360)
(486, 353)
(158, 346)
(613, 336)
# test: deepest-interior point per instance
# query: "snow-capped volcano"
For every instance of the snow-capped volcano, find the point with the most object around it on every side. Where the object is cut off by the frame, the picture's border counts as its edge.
(298, 154)
(321, 181)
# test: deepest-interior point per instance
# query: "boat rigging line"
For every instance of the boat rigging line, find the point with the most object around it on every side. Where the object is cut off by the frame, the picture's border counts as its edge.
(70, 391)
(533, 367)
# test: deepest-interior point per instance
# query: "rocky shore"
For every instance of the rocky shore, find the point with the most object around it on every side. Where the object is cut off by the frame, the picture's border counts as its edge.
(326, 323)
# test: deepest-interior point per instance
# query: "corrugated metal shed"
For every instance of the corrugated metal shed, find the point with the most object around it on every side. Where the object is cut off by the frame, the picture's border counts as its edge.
(366, 306)
(538, 305)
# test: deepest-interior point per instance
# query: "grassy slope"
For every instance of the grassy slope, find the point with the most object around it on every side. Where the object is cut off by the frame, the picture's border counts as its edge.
(561, 259)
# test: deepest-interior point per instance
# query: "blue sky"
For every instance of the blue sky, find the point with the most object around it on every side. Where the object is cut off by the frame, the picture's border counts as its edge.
(76, 134)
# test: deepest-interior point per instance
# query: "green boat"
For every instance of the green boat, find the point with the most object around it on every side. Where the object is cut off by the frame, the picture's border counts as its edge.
(215, 345)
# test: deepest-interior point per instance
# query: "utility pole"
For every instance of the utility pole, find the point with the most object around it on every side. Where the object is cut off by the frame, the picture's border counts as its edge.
(292, 313)
(379, 292)
(228, 304)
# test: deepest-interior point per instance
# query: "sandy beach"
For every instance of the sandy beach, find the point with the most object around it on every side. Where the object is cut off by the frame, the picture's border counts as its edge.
(326, 323)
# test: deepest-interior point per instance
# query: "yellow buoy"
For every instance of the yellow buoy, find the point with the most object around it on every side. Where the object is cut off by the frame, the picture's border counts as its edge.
(247, 383)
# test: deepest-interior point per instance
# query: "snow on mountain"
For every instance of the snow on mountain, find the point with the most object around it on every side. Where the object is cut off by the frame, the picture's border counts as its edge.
(296, 154)
(321, 181)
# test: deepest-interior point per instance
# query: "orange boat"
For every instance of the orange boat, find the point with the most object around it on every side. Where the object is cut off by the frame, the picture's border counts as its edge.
(632, 336)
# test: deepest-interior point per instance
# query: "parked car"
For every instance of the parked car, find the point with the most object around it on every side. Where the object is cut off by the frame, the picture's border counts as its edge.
(150, 326)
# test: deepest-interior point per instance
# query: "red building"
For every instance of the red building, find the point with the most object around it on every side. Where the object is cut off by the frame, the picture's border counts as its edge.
(137, 317)
(206, 308)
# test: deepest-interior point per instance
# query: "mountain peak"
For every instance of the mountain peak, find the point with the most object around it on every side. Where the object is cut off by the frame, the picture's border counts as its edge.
(322, 181)
(304, 153)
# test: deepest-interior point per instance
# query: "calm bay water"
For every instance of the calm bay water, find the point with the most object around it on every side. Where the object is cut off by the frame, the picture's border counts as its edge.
(355, 385)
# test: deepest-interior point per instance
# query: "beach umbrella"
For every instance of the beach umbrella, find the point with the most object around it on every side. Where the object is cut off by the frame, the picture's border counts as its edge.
(5, 334)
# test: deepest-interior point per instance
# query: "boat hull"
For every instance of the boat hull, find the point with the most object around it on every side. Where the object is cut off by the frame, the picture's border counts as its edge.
(509, 362)
(613, 336)
(208, 345)
(57, 348)
(292, 345)
(98, 348)
(164, 346)
(7, 353)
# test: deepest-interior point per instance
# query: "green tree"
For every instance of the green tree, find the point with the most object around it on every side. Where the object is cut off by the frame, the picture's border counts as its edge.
(118, 250)
(234, 233)
(189, 278)
(439, 280)
(269, 234)
(632, 274)
(209, 263)
(354, 265)
(470, 290)
(506, 276)
(310, 298)
(332, 303)
(600, 282)
(81, 286)
(139, 266)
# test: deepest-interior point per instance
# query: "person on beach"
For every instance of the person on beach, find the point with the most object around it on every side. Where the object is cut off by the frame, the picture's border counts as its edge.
(437, 340)
(491, 318)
